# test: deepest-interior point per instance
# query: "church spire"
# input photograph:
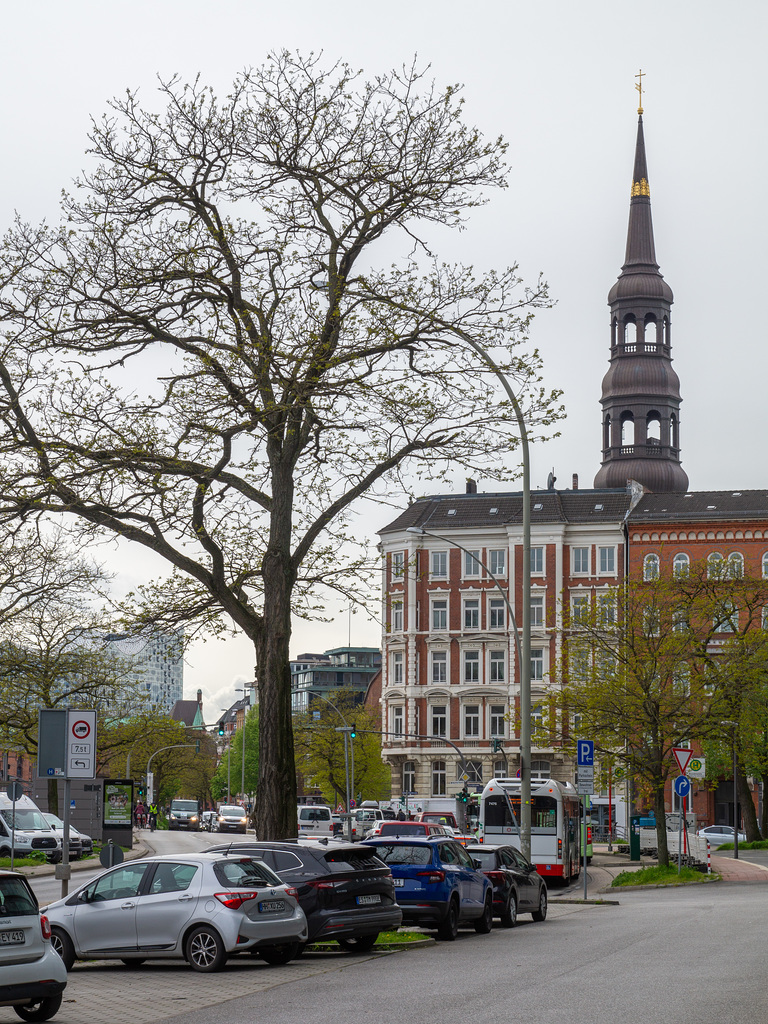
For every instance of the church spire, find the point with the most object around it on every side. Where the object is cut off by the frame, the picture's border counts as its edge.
(641, 391)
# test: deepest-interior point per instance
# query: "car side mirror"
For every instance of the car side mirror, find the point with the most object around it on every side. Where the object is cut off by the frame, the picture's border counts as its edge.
(476, 863)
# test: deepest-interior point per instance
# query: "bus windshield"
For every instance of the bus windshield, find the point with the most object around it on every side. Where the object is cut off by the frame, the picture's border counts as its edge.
(543, 813)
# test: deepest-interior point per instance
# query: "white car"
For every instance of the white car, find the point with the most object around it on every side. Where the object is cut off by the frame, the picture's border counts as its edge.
(718, 834)
(32, 977)
(80, 845)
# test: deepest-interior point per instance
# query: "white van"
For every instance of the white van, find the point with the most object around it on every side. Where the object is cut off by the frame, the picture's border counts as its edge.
(28, 831)
(315, 820)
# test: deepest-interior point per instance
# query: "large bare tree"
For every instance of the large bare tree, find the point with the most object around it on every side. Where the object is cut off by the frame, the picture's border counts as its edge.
(240, 329)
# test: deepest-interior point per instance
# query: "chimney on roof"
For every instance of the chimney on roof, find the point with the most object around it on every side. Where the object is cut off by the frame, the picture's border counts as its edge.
(471, 486)
(200, 699)
(575, 481)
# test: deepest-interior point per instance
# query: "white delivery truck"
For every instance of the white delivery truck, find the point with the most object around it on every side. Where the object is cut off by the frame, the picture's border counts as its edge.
(23, 828)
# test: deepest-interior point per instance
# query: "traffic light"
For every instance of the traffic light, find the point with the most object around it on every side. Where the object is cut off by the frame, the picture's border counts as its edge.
(464, 795)
(221, 727)
(197, 746)
(353, 731)
(497, 745)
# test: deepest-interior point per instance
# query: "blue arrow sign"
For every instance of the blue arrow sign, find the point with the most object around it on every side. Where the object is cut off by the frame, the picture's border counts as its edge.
(585, 752)
(682, 785)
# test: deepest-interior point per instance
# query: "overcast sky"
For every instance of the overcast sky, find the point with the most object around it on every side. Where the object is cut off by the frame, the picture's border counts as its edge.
(556, 78)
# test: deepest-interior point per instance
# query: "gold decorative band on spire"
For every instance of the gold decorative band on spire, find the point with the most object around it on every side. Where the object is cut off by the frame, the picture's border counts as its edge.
(641, 188)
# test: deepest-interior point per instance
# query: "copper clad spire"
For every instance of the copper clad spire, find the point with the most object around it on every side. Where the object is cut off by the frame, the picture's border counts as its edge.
(641, 391)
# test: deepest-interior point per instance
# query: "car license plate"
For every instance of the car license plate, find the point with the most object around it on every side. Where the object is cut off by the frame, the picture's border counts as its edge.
(270, 906)
(369, 899)
(399, 882)
(11, 938)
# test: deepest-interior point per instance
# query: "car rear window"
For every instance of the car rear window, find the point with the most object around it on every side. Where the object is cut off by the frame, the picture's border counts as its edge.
(357, 858)
(487, 858)
(15, 898)
(404, 828)
(314, 814)
(403, 853)
(242, 872)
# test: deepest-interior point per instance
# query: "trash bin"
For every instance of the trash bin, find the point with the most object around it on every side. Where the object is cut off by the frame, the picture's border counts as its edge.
(634, 837)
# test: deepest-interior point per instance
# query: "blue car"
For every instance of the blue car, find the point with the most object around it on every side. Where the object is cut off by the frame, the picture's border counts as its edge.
(437, 884)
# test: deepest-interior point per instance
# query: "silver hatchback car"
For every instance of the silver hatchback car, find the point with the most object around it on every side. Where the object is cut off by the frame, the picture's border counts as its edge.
(32, 977)
(202, 907)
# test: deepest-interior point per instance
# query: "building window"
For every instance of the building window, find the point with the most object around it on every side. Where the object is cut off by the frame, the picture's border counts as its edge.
(497, 562)
(651, 567)
(472, 769)
(580, 609)
(500, 770)
(498, 722)
(439, 722)
(497, 613)
(580, 561)
(736, 565)
(607, 558)
(715, 565)
(409, 777)
(472, 613)
(540, 770)
(439, 563)
(606, 609)
(397, 668)
(498, 666)
(439, 666)
(471, 666)
(537, 721)
(397, 616)
(438, 778)
(537, 561)
(537, 612)
(765, 566)
(471, 719)
(726, 618)
(537, 665)
(440, 615)
(472, 563)
(396, 720)
(398, 565)
(681, 564)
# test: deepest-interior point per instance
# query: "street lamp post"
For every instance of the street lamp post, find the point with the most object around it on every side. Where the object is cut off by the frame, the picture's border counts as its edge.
(346, 730)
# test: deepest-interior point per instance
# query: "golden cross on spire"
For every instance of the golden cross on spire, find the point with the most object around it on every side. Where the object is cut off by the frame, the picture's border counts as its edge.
(639, 87)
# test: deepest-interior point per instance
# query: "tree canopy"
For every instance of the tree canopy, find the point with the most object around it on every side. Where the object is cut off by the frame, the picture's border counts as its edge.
(240, 328)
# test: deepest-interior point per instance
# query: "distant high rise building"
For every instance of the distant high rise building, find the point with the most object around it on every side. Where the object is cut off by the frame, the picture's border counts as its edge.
(158, 662)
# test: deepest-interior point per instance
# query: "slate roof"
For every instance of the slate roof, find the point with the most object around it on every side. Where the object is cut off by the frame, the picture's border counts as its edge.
(186, 711)
(701, 506)
(470, 511)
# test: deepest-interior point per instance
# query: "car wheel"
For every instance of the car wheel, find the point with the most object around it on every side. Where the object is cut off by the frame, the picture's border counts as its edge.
(134, 961)
(277, 955)
(42, 1010)
(204, 950)
(361, 944)
(62, 944)
(509, 914)
(449, 928)
(541, 913)
(484, 923)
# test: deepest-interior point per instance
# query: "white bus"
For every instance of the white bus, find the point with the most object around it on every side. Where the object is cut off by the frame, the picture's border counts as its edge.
(555, 823)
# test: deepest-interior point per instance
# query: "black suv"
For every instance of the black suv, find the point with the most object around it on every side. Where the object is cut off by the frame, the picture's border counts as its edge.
(345, 891)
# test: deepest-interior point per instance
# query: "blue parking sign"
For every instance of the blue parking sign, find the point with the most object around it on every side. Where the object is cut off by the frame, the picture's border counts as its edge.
(585, 752)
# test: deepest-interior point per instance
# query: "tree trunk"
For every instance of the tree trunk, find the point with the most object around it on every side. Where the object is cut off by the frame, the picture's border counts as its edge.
(660, 811)
(764, 819)
(276, 791)
(748, 811)
(53, 796)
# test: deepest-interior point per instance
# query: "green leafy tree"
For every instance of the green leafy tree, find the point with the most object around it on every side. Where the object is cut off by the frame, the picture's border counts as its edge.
(320, 749)
(239, 330)
(653, 665)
